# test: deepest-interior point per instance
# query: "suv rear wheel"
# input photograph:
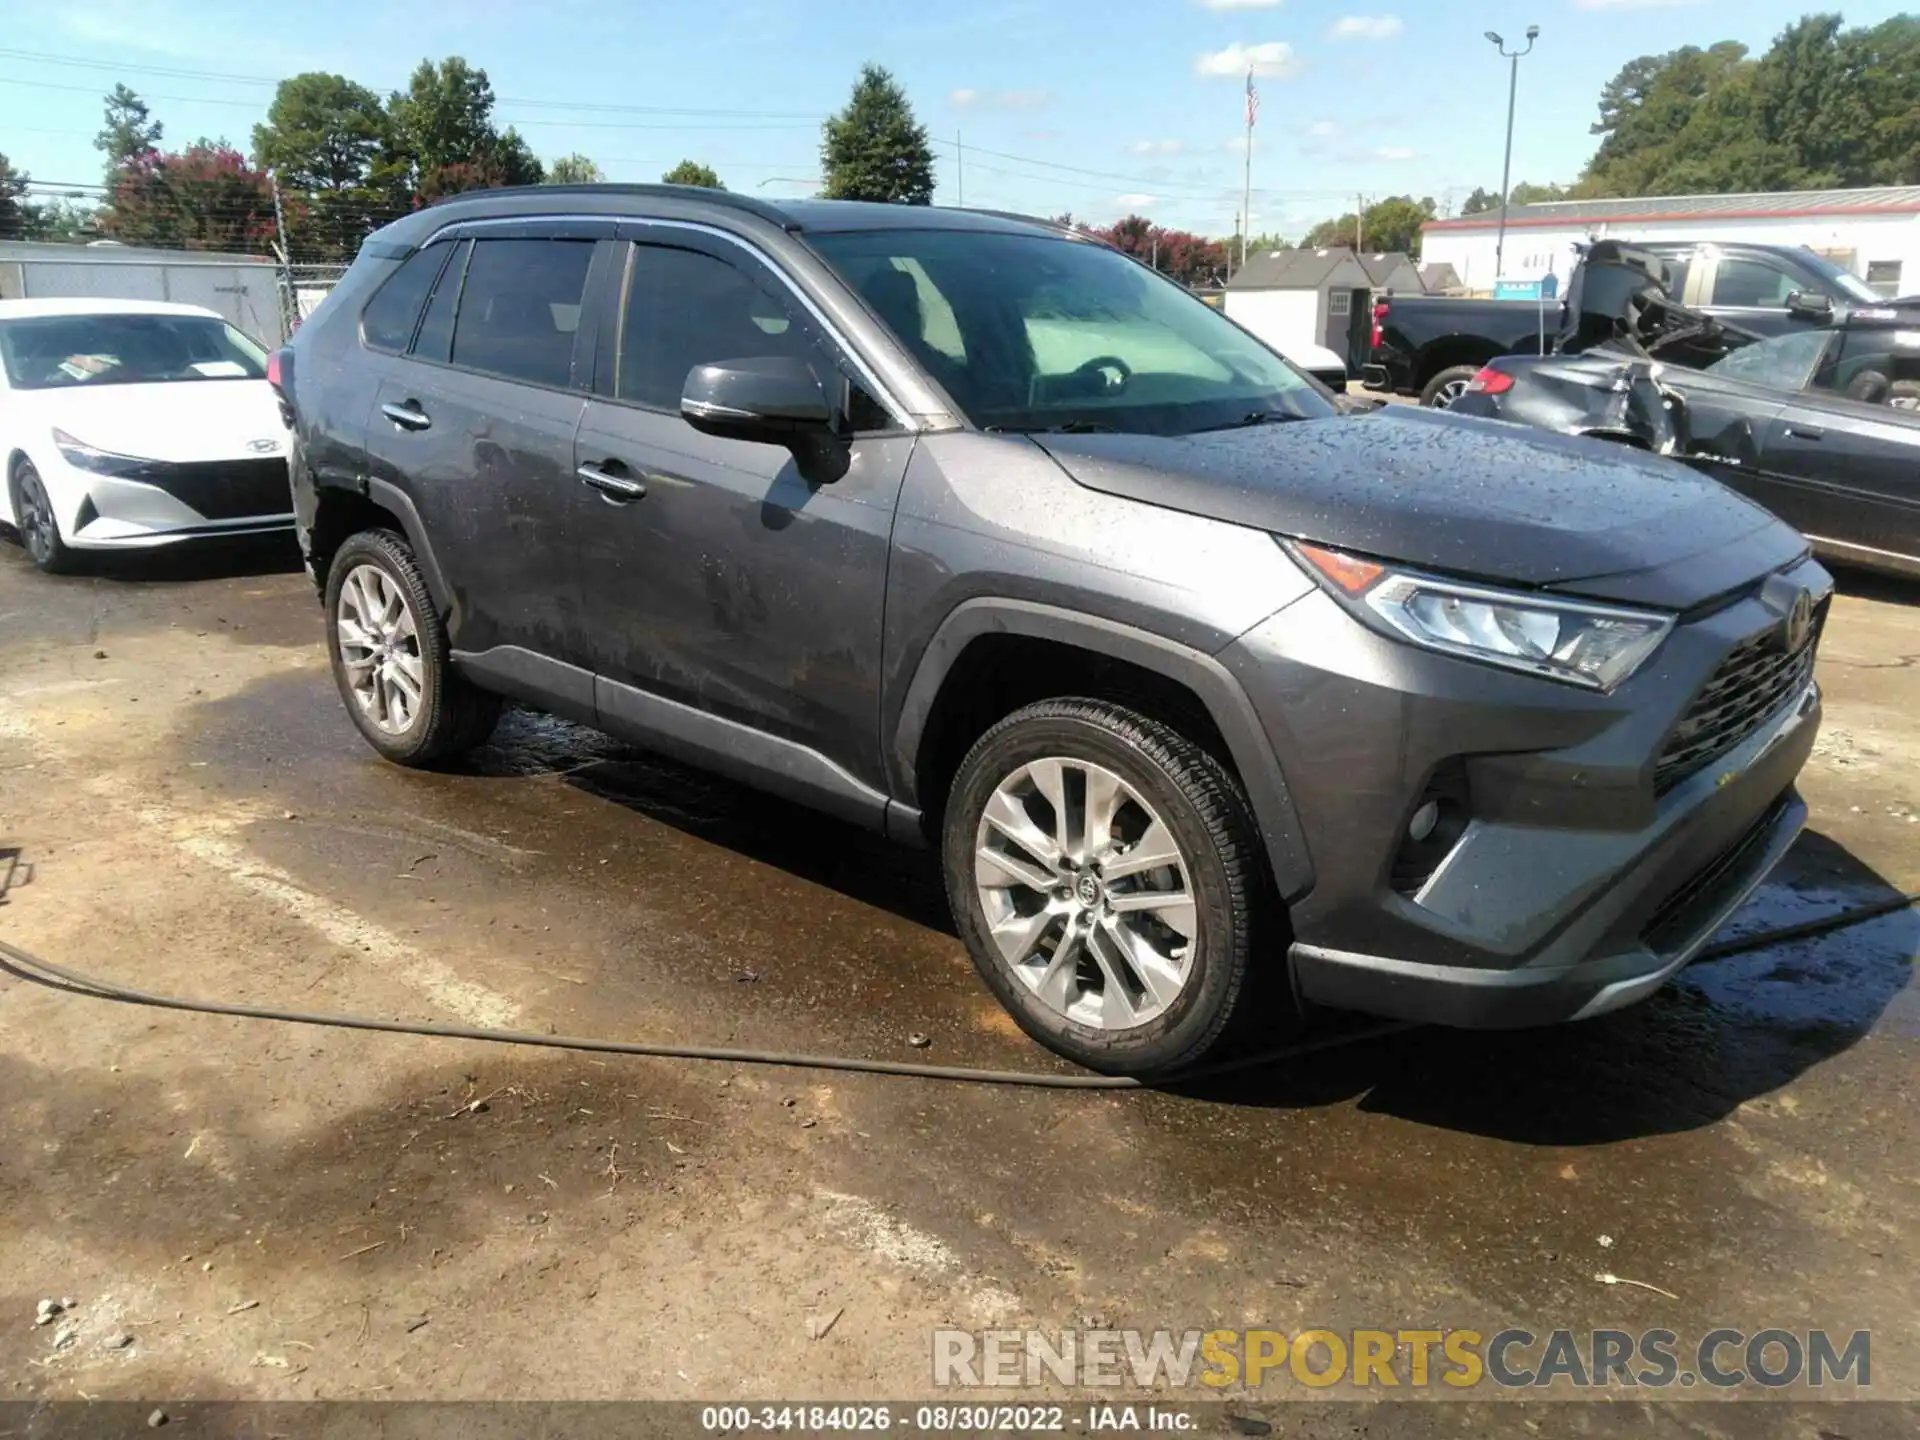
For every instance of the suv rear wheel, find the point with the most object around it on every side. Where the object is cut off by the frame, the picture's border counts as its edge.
(1103, 871)
(391, 657)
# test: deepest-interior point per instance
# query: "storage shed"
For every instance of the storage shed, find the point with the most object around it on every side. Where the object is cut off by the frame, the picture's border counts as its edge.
(1305, 297)
(243, 289)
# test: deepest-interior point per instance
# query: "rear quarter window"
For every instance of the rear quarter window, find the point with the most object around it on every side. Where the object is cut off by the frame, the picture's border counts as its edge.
(391, 316)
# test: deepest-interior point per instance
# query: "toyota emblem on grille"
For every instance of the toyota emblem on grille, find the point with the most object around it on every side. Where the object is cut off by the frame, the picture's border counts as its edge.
(263, 447)
(1797, 628)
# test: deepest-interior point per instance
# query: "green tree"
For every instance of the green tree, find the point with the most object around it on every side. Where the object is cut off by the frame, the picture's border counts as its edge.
(874, 149)
(444, 139)
(1480, 201)
(1527, 193)
(130, 130)
(690, 172)
(17, 216)
(575, 169)
(322, 133)
(1261, 244)
(1390, 224)
(64, 219)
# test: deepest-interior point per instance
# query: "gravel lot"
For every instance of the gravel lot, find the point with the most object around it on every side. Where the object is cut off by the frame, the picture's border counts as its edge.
(291, 1213)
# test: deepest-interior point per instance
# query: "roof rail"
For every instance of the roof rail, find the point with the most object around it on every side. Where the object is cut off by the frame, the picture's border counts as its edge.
(751, 205)
(1045, 224)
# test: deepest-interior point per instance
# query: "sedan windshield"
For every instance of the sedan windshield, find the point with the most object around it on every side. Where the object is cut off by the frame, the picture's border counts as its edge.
(1030, 332)
(50, 352)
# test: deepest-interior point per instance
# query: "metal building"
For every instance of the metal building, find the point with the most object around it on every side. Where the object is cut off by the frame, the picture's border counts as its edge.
(1874, 233)
(244, 289)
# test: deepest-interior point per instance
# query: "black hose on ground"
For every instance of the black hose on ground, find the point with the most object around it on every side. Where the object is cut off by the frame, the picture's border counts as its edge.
(25, 965)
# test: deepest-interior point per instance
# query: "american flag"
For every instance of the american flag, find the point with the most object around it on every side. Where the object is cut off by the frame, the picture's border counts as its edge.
(1253, 101)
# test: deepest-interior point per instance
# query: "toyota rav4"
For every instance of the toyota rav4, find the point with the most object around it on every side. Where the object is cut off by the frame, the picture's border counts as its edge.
(975, 531)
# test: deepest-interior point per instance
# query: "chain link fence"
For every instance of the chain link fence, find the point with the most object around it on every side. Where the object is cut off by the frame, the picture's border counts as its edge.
(302, 288)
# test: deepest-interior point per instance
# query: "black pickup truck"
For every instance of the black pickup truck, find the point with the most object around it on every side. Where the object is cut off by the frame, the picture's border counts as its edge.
(1429, 346)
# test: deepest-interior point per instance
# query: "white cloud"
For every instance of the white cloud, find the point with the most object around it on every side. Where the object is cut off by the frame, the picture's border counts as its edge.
(970, 99)
(1394, 152)
(1157, 147)
(1324, 129)
(1136, 202)
(1635, 4)
(1274, 57)
(1238, 145)
(1365, 27)
(1237, 4)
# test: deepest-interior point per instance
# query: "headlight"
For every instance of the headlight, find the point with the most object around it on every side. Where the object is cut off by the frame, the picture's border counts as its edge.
(83, 456)
(1597, 646)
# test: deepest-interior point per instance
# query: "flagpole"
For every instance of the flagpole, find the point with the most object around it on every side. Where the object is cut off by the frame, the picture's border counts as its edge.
(1246, 188)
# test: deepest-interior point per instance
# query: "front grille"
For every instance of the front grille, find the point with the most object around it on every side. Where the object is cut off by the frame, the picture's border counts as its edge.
(224, 489)
(1754, 681)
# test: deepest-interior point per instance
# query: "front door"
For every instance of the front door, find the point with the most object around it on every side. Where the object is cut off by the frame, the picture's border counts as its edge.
(724, 587)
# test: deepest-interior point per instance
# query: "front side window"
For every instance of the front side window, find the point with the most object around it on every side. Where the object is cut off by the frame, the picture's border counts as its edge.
(1751, 284)
(1787, 362)
(390, 317)
(519, 309)
(1034, 332)
(54, 352)
(685, 308)
(1875, 366)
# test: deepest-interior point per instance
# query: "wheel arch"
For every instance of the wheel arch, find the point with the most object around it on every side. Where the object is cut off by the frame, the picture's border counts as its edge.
(340, 512)
(940, 710)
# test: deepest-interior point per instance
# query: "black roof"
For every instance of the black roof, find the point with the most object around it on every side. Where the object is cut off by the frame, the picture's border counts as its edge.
(817, 216)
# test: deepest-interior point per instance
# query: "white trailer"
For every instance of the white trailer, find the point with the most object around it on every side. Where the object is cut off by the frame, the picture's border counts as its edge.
(243, 289)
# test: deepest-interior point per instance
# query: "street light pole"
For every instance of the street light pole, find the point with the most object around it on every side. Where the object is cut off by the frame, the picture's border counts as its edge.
(1506, 165)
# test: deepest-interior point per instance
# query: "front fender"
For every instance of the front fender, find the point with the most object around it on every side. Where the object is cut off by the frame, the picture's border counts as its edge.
(1210, 682)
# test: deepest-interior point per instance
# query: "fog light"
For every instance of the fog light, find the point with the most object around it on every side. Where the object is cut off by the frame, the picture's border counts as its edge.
(1424, 819)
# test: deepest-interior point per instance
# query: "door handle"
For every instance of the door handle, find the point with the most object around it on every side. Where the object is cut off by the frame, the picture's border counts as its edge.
(615, 487)
(408, 416)
(1806, 432)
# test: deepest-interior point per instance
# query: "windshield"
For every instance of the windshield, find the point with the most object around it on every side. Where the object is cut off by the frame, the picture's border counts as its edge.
(1030, 332)
(53, 352)
(1842, 279)
(1786, 362)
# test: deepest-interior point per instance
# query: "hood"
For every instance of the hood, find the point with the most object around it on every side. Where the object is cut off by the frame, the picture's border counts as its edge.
(1473, 498)
(1620, 299)
(180, 421)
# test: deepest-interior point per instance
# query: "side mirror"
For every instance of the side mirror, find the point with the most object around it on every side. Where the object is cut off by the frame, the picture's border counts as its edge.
(772, 399)
(1807, 305)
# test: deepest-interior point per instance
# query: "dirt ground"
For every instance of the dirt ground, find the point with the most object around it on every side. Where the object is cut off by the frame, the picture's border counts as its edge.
(246, 1210)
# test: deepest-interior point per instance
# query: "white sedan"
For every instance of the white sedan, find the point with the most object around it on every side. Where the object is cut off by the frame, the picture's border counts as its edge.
(126, 424)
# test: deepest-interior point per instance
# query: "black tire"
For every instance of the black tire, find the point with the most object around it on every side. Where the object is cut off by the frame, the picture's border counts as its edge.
(1435, 396)
(453, 715)
(1200, 803)
(35, 520)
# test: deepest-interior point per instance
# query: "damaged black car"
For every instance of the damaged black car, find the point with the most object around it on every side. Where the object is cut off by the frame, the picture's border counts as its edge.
(1822, 426)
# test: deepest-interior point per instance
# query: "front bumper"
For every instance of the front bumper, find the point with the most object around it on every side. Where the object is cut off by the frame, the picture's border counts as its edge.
(170, 503)
(1574, 888)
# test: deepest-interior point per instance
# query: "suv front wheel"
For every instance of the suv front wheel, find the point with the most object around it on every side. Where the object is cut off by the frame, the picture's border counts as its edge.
(391, 656)
(1103, 872)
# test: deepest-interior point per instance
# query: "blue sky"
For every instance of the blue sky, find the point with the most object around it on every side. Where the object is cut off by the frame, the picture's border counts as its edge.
(1093, 106)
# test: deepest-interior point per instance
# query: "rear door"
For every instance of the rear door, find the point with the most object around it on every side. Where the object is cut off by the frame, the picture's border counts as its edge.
(476, 425)
(1853, 465)
(717, 575)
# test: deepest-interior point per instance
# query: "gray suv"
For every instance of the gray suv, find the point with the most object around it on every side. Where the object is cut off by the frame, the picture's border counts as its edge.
(1212, 696)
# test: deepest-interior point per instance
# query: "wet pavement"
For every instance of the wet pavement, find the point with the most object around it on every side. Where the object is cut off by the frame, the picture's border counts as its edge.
(202, 819)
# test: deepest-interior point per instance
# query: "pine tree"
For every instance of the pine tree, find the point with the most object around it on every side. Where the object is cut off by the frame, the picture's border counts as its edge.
(874, 149)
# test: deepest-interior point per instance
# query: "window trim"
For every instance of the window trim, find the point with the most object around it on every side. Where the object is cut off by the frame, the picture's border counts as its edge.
(462, 254)
(360, 321)
(905, 421)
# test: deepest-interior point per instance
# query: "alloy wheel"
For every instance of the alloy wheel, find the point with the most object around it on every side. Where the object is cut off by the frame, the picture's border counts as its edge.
(37, 529)
(1086, 893)
(380, 648)
(1444, 397)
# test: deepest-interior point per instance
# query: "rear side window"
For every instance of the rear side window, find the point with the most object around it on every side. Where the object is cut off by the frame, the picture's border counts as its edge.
(520, 307)
(389, 319)
(436, 328)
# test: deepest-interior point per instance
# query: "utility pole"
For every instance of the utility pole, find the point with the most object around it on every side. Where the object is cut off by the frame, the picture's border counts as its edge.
(1506, 165)
(1359, 222)
(1154, 263)
(1246, 184)
(289, 298)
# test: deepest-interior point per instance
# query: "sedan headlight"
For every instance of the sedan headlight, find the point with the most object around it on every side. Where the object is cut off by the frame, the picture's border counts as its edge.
(83, 456)
(1597, 646)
